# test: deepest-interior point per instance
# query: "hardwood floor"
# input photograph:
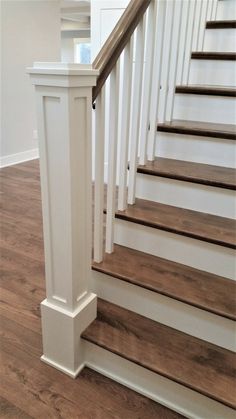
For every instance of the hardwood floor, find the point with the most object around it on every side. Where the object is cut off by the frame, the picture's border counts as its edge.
(29, 388)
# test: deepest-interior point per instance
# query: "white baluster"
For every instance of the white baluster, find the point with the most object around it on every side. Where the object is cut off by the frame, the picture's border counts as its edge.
(214, 10)
(125, 124)
(99, 176)
(136, 108)
(196, 29)
(156, 74)
(209, 9)
(188, 47)
(202, 25)
(182, 41)
(112, 156)
(147, 86)
(173, 59)
(167, 52)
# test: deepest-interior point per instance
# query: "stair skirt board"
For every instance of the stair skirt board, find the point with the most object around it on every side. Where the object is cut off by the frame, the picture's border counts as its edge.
(220, 40)
(191, 252)
(173, 395)
(194, 148)
(205, 108)
(203, 198)
(176, 314)
(212, 72)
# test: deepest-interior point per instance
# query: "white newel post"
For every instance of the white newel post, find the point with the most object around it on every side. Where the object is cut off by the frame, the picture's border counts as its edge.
(64, 109)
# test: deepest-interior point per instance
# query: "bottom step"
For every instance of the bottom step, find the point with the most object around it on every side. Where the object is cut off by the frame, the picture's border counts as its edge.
(183, 360)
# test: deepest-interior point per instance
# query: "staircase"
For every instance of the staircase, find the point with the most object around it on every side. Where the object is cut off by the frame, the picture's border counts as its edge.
(165, 235)
(167, 298)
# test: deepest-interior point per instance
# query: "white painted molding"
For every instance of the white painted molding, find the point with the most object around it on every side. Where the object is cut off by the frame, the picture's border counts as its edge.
(173, 395)
(17, 158)
(64, 111)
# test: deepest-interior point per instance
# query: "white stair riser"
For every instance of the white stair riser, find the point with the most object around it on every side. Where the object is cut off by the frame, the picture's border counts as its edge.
(188, 402)
(173, 313)
(215, 151)
(226, 10)
(202, 198)
(192, 252)
(220, 40)
(213, 72)
(205, 108)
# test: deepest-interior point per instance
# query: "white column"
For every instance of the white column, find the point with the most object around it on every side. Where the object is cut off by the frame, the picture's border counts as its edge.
(64, 106)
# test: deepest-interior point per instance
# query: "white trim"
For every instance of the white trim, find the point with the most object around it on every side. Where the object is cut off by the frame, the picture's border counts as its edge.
(175, 396)
(21, 157)
(60, 367)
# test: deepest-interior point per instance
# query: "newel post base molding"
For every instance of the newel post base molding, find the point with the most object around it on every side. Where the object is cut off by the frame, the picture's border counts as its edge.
(64, 109)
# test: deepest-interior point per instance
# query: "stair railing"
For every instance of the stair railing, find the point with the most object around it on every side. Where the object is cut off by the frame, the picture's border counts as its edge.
(146, 56)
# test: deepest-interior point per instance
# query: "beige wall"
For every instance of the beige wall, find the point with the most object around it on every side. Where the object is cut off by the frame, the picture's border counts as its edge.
(30, 32)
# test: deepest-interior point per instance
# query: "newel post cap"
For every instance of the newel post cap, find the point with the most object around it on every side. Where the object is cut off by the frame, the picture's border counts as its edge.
(62, 74)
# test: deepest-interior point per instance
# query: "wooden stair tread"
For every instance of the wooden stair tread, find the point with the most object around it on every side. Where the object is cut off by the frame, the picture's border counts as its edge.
(203, 129)
(218, 176)
(194, 224)
(207, 55)
(207, 90)
(221, 24)
(183, 283)
(194, 363)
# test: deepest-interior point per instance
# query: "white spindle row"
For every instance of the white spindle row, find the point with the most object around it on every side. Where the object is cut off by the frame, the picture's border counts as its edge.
(141, 94)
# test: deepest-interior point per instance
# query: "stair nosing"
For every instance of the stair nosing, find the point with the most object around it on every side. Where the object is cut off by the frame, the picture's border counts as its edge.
(221, 24)
(124, 278)
(158, 371)
(208, 55)
(196, 131)
(127, 217)
(206, 90)
(185, 178)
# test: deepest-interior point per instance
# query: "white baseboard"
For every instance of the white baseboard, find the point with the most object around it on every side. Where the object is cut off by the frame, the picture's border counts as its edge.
(12, 159)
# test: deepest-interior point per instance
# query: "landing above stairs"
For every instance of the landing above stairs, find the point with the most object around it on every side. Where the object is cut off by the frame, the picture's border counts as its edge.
(196, 364)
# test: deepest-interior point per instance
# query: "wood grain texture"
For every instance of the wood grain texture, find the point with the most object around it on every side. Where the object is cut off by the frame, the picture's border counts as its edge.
(204, 174)
(189, 223)
(194, 363)
(207, 55)
(221, 24)
(30, 388)
(183, 283)
(116, 42)
(202, 129)
(206, 90)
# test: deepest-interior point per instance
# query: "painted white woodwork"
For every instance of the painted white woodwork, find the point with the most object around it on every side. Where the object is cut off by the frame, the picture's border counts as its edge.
(136, 109)
(177, 21)
(181, 399)
(220, 40)
(212, 200)
(215, 151)
(213, 72)
(63, 98)
(182, 41)
(173, 313)
(125, 125)
(99, 176)
(191, 252)
(147, 86)
(205, 108)
(189, 41)
(202, 27)
(225, 10)
(21, 157)
(156, 76)
(197, 24)
(112, 161)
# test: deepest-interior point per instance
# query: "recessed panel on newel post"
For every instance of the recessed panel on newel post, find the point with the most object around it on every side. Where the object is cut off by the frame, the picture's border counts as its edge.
(64, 108)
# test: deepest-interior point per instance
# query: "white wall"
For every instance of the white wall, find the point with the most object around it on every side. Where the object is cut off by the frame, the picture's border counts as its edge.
(30, 32)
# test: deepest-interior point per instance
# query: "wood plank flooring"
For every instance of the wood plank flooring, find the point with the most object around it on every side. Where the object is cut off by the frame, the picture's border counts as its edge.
(204, 174)
(30, 388)
(183, 283)
(194, 224)
(201, 366)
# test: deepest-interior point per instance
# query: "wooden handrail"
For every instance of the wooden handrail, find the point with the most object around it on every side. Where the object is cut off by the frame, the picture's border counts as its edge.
(116, 42)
